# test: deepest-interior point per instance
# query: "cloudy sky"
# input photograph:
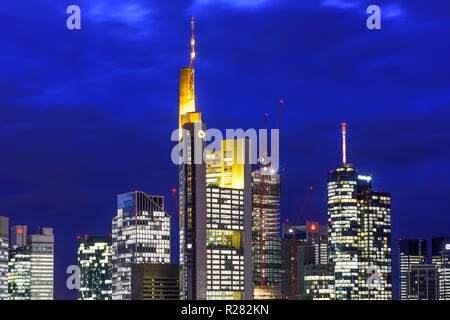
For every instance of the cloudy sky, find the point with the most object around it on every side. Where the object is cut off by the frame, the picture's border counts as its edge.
(87, 114)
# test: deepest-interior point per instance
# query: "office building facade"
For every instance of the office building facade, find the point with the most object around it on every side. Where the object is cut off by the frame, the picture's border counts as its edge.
(440, 257)
(410, 252)
(319, 282)
(19, 273)
(374, 244)
(41, 246)
(155, 281)
(4, 256)
(94, 260)
(423, 282)
(140, 234)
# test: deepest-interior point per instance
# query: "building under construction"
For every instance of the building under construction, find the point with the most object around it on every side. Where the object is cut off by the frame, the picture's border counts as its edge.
(266, 235)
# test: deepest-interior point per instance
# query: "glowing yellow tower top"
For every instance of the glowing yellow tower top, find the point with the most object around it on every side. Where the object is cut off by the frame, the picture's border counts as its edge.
(187, 89)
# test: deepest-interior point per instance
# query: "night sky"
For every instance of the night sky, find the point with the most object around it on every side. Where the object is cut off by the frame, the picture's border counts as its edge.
(87, 114)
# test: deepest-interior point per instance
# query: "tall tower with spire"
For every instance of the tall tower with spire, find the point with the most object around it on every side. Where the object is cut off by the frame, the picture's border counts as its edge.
(192, 186)
(188, 111)
(215, 207)
(359, 233)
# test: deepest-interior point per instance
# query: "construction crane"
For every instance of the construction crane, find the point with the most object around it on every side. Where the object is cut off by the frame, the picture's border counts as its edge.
(174, 194)
(294, 244)
(277, 125)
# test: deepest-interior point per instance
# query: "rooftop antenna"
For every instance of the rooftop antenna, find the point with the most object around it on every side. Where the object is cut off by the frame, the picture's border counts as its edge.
(191, 65)
(344, 151)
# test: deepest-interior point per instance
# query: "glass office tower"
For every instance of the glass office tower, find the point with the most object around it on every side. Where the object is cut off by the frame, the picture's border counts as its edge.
(440, 257)
(266, 197)
(140, 234)
(374, 244)
(359, 233)
(94, 260)
(411, 252)
(4, 247)
(19, 279)
(343, 230)
(31, 264)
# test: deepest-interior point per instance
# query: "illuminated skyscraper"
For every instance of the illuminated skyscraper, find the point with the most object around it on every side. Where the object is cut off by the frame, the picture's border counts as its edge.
(374, 242)
(359, 233)
(411, 252)
(268, 194)
(4, 247)
(94, 260)
(440, 257)
(42, 264)
(192, 187)
(19, 265)
(215, 207)
(19, 280)
(140, 234)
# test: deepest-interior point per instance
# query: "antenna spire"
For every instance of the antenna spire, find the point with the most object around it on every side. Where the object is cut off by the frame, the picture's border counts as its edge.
(191, 65)
(344, 151)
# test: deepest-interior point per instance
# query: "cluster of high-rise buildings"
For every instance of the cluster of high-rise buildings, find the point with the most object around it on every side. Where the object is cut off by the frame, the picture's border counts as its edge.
(26, 262)
(232, 243)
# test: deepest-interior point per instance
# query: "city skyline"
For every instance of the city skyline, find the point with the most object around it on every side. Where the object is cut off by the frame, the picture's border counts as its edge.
(76, 153)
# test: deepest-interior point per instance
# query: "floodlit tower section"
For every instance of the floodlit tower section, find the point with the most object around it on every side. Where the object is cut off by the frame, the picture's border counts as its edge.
(187, 89)
(234, 163)
(229, 226)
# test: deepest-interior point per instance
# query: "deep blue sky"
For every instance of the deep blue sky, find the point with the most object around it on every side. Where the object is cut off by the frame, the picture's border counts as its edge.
(85, 115)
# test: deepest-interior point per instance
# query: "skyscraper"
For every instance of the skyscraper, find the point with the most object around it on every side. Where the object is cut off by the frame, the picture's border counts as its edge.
(411, 252)
(94, 260)
(140, 234)
(440, 257)
(359, 233)
(42, 264)
(192, 187)
(266, 247)
(374, 242)
(215, 216)
(19, 265)
(4, 247)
